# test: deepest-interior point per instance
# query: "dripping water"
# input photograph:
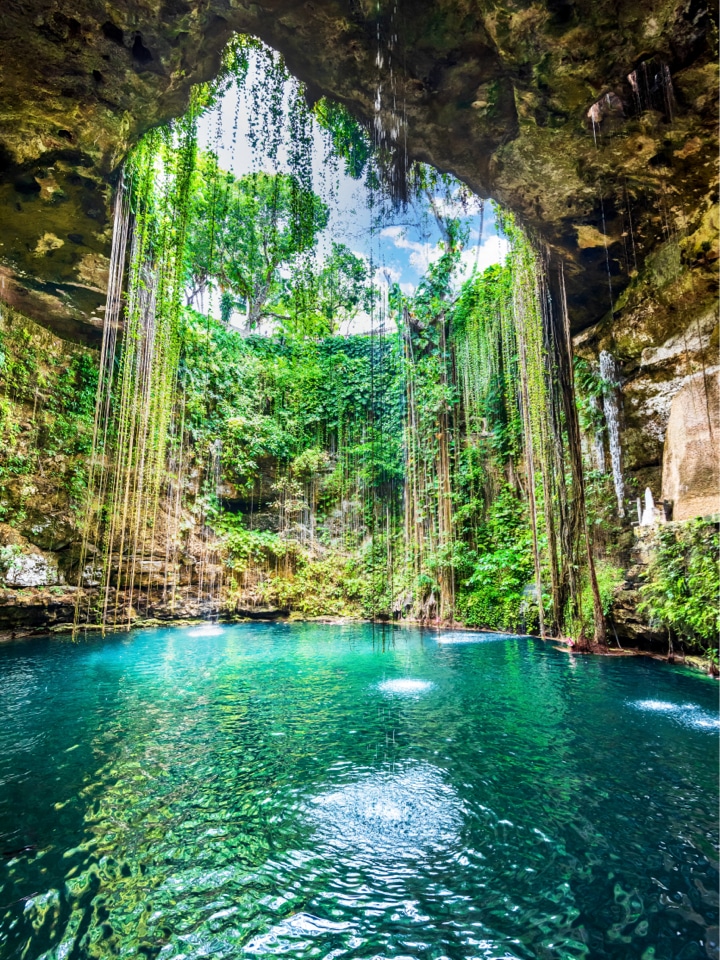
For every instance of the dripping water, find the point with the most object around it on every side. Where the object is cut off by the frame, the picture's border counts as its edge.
(611, 409)
(598, 439)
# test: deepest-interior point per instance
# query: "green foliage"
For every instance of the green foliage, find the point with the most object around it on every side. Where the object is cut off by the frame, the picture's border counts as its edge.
(350, 142)
(9, 556)
(277, 398)
(47, 399)
(248, 440)
(683, 583)
(317, 587)
(430, 300)
(243, 232)
(486, 347)
(590, 389)
(609, 577)
(496, 589)
(332, 437)
(244, 547)
(322, 297)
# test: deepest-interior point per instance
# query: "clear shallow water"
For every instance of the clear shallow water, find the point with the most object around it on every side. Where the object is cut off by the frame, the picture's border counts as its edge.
(273, 790)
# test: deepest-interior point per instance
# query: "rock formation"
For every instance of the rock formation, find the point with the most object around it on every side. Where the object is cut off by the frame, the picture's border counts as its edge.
(596, 123)
(691, 461)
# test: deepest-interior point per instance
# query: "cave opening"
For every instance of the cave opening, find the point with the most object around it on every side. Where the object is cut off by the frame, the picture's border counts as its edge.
(456, 447)
(529, 341)
(281, 234)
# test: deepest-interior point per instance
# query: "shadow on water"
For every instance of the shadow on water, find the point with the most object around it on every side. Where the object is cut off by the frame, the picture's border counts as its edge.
(323, 790)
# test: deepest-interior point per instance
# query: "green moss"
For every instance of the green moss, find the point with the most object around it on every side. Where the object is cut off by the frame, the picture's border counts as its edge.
(47, 398)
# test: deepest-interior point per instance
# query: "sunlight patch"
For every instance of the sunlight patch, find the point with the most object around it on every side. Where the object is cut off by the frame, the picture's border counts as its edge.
(391, 815)
(660, 706)
(451, 638)
(689, 714)
(405, 686)
(298, 933)
(206, 630)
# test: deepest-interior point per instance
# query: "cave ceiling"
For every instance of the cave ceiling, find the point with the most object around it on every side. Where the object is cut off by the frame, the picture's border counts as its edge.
(496, 93)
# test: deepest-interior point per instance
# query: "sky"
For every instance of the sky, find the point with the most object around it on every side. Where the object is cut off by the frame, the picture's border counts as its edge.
(400, 248)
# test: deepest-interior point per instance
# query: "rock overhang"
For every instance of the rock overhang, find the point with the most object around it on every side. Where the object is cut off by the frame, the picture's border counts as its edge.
(498, 95)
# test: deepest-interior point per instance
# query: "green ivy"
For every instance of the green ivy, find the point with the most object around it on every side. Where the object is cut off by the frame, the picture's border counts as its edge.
(683, 583)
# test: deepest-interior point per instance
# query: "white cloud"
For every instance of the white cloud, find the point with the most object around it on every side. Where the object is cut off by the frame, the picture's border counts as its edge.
(424, 256)
(363, 322)
(385, 276)
(479, 258)
(393, 233)
(421, 254)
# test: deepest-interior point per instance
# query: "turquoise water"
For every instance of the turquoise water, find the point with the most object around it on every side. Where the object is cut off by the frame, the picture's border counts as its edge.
(321, 791)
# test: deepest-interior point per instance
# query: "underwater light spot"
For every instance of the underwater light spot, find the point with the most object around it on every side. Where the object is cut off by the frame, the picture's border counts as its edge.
(405, 685)
(391, 815)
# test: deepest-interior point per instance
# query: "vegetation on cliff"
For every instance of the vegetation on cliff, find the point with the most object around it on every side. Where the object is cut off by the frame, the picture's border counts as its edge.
(683, 585)
(438, 468)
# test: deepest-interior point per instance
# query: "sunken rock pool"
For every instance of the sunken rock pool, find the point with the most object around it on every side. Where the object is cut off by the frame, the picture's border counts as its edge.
(322, 791)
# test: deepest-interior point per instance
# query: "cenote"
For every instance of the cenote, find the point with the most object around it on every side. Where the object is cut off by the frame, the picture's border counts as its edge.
(378, 340)
(315, 790)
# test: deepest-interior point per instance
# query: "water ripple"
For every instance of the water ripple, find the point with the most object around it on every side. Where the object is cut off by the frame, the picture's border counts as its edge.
(391, 815)
(301, 791)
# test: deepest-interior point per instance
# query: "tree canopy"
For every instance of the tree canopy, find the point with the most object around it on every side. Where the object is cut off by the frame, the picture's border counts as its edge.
(255, 239)
(246, 235)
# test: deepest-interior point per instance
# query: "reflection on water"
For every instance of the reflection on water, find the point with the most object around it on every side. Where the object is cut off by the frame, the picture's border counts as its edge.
(452, 638)
(298, 933)
(404, 685)
(298, 791)
(206, 630)
(689, 714)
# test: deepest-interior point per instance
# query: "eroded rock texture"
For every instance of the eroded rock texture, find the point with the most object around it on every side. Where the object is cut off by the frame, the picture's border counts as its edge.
(691, 467)
(497, 93)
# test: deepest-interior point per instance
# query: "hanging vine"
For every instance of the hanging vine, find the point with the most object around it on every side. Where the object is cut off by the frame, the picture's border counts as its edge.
(463, 437)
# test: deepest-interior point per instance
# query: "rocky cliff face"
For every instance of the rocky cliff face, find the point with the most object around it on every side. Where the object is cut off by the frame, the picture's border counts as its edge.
(47, 391)
(691, 463)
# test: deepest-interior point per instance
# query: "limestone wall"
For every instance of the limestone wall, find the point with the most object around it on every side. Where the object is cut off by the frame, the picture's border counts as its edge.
(691, 457)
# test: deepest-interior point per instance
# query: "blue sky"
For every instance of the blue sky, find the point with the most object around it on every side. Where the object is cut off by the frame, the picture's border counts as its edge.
(399, 247)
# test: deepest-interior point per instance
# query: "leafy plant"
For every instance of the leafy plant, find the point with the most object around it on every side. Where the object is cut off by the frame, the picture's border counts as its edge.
(683, 583)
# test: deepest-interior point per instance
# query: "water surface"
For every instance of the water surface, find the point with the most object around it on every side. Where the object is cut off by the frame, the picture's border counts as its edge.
(321, 791)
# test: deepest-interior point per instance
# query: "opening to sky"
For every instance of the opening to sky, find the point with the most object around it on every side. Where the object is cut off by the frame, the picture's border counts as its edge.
(397, 243)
